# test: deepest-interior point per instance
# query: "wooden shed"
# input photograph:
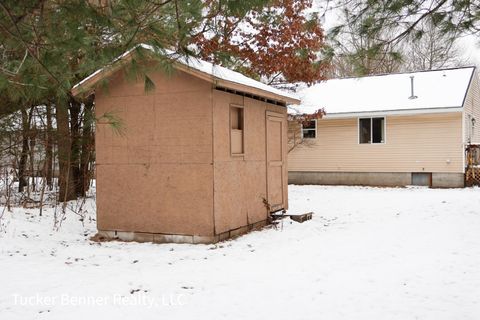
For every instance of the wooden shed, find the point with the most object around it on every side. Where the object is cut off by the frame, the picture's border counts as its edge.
(202, 157)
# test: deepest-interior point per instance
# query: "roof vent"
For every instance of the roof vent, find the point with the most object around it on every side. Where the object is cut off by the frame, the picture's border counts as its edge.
(412, 87)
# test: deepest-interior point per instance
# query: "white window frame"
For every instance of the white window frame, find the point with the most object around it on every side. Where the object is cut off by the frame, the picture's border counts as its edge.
(371, 130)
(315, 129)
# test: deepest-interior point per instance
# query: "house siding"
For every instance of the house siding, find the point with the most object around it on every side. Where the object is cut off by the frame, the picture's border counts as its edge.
(414, 143)
(472, 107)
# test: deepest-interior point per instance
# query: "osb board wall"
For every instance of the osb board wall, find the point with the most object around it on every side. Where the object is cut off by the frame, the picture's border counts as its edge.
(413, 144)
(157, 177)
(240, 181)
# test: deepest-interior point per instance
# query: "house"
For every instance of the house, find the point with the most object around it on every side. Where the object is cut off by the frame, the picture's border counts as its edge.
(389, 130)
(202, 157)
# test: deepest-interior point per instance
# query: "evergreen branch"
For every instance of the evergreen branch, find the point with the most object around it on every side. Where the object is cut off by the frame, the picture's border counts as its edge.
(137, 29)
(32, 54)
(27, 84)
(413, 25)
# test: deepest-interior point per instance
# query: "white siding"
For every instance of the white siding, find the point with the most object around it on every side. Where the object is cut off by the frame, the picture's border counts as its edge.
(472, 110)
(415, 143)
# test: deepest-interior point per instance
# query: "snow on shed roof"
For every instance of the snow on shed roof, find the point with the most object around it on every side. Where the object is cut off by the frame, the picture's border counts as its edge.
(391, 92)
(216, 72)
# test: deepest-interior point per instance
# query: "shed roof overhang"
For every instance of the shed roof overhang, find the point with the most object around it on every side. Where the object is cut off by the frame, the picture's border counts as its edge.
(87, 85)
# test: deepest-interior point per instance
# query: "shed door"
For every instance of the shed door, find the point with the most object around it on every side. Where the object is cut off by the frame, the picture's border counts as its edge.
(275, 160)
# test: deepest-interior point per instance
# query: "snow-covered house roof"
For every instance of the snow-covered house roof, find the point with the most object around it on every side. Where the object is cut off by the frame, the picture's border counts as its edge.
(219, 75)
(433, 91)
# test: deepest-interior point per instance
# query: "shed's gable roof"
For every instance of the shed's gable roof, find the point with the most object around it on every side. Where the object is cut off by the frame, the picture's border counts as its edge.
(438, 89)
(221, 76)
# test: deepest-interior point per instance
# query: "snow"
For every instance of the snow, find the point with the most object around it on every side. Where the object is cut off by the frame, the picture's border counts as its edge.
(216, 71)
(434, 89)
(368, 253)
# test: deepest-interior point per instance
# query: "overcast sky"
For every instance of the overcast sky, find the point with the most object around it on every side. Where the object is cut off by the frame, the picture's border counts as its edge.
(469, 45)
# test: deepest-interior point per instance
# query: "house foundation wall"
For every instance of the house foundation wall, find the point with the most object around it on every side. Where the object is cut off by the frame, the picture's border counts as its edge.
(448, 180)
(385, 179)
(106, 235)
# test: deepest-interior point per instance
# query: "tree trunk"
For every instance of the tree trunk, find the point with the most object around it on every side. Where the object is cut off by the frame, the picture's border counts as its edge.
(22, 165)
(49, 149)
(75, 108)
(87, 148)
(65, 179)
(33, 140)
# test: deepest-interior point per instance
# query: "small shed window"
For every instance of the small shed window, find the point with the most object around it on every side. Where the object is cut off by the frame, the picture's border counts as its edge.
(371, 130)
(309, 129)
(236, 129)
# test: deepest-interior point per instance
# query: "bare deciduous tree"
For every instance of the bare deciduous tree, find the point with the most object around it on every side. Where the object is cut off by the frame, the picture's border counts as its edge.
(375, 37)
(359, 54)
(434, 50)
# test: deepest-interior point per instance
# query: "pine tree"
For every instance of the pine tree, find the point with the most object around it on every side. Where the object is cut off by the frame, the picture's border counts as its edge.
(413, 17)
(47, 46)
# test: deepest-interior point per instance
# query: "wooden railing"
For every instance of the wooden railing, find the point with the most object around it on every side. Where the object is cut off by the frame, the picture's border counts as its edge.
(472, 172)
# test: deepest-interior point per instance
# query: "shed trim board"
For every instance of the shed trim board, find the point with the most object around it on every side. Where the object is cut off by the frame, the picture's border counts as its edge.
(232, 154)
(212, 102)
(85, 86)
(275, 116)
(463, 137)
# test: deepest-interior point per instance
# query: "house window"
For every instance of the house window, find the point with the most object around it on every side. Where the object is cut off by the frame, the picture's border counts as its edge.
(236, 129)
(371, 130)
(309, 129)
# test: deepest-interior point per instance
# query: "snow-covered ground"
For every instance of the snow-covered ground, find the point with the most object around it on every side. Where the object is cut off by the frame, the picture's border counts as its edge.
(368, 253)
